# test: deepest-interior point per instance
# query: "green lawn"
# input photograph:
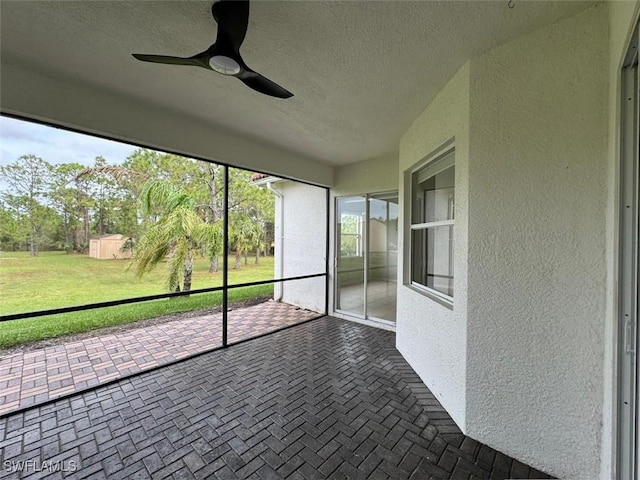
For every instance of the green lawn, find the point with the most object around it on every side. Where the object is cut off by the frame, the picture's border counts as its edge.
(56, 279)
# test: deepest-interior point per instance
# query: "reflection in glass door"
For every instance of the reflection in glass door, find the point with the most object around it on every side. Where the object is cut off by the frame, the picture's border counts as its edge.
(382, 264)
(366, 255)
(350, 229)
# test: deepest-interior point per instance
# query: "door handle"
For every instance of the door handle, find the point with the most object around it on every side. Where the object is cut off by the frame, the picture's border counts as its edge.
(629, 337)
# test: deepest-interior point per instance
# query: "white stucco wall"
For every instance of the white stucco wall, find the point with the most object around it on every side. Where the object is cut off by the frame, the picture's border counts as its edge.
(623, 16)
(431, 336)
(537, 245)
(303, 243)
(62, 102)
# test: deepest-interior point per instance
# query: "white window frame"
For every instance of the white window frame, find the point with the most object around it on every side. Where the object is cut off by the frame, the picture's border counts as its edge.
(435, 159)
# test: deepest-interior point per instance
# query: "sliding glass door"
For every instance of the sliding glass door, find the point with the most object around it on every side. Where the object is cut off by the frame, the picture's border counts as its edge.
(351, 215)
(382, 265)
(366, 256)
(628, 464)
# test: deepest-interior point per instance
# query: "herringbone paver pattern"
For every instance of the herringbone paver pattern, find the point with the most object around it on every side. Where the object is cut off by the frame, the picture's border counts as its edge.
(28, 379)
(327, 399)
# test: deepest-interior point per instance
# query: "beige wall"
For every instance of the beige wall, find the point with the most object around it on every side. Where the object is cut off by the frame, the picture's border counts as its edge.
(108, 248)
(370, 176)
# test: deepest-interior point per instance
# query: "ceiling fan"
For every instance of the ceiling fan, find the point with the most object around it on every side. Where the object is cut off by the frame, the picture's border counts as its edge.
(224, 56)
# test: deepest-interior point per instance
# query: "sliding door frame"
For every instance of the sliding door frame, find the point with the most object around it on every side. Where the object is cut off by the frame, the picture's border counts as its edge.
(627, 442)
(366, 254)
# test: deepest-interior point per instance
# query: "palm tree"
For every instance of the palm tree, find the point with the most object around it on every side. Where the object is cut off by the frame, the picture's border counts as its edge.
(180, 220)
(244, 235)
(177, 233)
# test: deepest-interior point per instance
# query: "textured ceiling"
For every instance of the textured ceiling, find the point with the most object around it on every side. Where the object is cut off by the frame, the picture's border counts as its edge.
(361, 71)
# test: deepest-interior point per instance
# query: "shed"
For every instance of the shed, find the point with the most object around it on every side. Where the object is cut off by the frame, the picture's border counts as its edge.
(109, 247)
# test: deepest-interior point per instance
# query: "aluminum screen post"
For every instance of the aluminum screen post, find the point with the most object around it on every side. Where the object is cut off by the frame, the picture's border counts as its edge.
(225, 253)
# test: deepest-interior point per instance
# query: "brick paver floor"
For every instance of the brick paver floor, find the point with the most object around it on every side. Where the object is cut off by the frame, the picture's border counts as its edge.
(327, 399)
(31, 378)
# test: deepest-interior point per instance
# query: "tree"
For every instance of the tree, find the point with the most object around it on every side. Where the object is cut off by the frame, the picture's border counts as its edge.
(113, 196)
(212, 175)
(64, 198)
(112, 191)
(244, 235)
(174, 169)
(203, 181)
(154, 177)
(169, 187)
(251, 209)
(28, 180)
(177, 234)
(103, 194)
(264, 213)
(12, 230)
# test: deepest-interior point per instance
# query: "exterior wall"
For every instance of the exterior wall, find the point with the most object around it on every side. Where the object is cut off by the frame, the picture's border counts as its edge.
(303, 228)
(369, 176)
(111, 249)
(377, 237)
(94, 248)
(526, 362)
(537, 245)
(108, 248)
(432, 337)
(623, 17)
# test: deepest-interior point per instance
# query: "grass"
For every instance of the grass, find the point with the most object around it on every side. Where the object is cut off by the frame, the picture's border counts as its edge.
(56, 279)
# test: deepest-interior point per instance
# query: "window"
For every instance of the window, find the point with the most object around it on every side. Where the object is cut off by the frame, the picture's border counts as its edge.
(432, 220)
